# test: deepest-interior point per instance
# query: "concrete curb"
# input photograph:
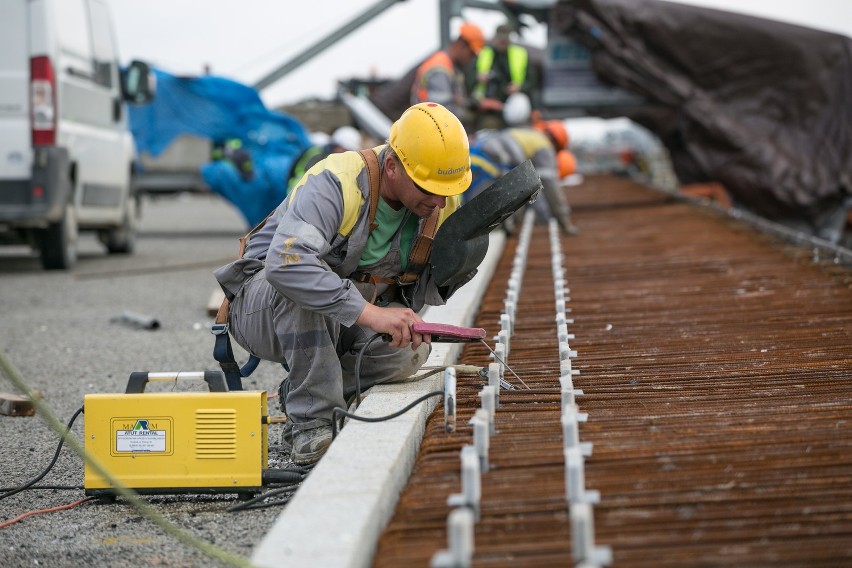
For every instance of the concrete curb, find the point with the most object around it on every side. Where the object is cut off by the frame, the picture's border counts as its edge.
(338, 513)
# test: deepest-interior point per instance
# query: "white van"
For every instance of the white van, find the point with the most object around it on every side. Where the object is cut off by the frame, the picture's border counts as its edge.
(66, 153)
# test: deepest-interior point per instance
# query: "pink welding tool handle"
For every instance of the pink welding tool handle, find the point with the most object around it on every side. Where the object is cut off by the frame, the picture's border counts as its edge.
(445, 333)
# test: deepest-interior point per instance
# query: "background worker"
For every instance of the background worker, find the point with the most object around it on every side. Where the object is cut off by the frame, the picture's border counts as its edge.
(316, 281)
(501, 71)
(440, 78)
(495, 152)
(231, 151)
(343, 139)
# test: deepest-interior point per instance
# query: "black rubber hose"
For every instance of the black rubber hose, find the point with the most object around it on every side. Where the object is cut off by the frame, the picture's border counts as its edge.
(341, 411)
(282, 476)
(46, 470)
(358, 365)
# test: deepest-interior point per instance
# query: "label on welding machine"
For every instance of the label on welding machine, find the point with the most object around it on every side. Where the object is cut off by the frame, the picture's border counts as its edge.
(142, 435)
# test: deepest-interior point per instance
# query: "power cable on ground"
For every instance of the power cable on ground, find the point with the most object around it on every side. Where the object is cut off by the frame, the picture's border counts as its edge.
(5, 524)
(45, 471)
(341, 411)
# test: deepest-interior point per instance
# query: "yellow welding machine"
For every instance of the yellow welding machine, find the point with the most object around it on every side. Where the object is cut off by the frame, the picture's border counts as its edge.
(177, 442)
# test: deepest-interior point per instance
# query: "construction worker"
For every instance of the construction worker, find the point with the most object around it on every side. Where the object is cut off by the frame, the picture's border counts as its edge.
(501, 71)
(328, 270)
(495, 152)
(233, 152)
(342, 139)
(440, 78)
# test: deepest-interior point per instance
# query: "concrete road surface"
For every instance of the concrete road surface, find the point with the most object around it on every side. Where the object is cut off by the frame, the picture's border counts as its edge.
(56, 328)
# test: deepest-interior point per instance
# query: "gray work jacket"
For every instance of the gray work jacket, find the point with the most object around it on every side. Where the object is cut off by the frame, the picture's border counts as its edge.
(314, 241)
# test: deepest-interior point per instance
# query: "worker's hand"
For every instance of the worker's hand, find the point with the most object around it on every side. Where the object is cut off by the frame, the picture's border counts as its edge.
(395, 322)
(490, 105)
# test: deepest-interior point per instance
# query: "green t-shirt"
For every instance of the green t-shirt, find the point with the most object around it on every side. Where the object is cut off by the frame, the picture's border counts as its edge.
(379, 242)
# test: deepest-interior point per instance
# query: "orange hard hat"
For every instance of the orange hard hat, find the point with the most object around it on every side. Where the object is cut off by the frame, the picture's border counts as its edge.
(566, 162)
(474, 37)
(557, 132)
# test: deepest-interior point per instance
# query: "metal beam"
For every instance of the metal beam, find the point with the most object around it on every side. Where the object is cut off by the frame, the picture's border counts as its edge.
(324, 43)
(449, 9)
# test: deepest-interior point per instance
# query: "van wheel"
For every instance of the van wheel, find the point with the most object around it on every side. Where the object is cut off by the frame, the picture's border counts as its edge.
(122, 239)
(58, 242)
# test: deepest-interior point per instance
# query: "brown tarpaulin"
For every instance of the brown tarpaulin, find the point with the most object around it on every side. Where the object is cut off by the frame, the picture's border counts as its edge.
(761, 106)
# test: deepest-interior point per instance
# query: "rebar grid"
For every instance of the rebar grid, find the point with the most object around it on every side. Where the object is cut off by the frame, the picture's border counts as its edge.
(716, 365)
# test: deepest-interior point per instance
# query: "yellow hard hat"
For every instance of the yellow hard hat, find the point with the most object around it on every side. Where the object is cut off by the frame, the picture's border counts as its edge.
(432, 145)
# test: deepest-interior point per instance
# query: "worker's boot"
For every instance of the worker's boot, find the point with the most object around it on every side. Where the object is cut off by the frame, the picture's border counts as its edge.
(287, 437)
(287, 430)
(310, 445)
(283, 391)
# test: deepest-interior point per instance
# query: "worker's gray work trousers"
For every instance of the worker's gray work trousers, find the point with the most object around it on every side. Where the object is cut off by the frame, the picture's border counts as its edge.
(320, 353)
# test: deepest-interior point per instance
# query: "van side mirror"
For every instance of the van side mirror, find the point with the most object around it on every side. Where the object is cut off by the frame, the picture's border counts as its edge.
(138, 83)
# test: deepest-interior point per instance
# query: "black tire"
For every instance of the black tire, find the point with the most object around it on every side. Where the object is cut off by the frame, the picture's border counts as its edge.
(58, 242)
(122, 239)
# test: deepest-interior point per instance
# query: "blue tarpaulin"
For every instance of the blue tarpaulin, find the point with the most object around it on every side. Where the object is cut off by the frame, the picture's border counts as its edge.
(221, 109)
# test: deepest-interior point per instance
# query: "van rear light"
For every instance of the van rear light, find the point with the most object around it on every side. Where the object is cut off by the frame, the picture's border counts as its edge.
(43, 101)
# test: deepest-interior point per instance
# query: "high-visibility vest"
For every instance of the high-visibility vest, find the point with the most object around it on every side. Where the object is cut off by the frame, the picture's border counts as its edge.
(439, 59)
(346, 166)
(299, 167)
(518, 58)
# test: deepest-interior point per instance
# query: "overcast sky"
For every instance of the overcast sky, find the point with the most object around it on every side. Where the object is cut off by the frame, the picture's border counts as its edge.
(246, 39)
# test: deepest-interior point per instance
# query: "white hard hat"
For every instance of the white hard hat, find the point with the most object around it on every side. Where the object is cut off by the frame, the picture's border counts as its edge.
(319, 138)
(347, 138)
(516, 109)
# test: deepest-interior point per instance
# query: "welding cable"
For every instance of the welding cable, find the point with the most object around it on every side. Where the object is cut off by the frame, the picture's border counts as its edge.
(387, 337)
(342, 411)
(288, 476)
(358, 358)
(257, 502)
(383, 336)
(30, 483)
(460, 369)
(41, 511)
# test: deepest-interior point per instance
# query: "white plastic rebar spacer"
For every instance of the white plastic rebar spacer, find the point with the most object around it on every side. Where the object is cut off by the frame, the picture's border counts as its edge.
(488, 398)
(481, 436)
(459, 541)
(495, 373)
(565, 368)
(571, 430)
(506, 324)
(575, 479)
(449, 400)
(470, 481)
(503, 337)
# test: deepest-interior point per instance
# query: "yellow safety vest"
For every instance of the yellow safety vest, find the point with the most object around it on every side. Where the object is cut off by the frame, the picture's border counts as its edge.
(346, 166)
(518, 58)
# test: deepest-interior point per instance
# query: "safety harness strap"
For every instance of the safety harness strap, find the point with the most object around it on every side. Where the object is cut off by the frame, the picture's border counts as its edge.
(222, 351)
(375, 179)
(421, 250)
(371, 161)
